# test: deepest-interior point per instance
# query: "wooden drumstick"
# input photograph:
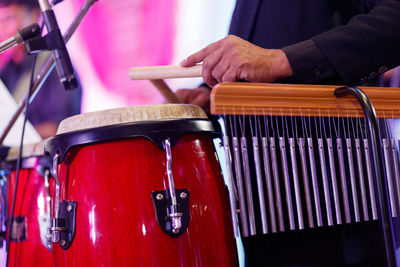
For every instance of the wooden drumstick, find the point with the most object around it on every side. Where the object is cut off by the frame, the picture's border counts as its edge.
(164, 89)
(164, 72)
(156, 73)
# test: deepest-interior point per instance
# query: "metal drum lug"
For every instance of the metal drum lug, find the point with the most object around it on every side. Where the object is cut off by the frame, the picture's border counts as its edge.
(173, 221)
(63, 227)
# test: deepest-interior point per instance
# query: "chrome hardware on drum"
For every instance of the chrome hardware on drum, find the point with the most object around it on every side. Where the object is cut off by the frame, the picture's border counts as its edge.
(140, 186)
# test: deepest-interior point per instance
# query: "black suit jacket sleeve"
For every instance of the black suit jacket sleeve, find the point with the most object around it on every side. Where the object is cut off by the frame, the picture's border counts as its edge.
(354, 53)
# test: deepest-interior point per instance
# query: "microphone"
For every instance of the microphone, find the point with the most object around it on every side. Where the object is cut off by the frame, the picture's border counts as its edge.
(60, 53)
(23, 34)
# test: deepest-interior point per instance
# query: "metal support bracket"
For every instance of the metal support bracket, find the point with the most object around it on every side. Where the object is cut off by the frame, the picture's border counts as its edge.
(162, 206)
(63, 227)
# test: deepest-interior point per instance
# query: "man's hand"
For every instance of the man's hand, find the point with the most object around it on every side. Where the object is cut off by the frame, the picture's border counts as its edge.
(199, 96)
(232, 59)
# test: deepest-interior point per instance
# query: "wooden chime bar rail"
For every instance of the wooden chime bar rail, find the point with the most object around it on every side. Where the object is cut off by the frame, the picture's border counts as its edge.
(299, 100)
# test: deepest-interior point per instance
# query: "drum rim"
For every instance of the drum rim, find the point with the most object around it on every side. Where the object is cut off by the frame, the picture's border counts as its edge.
(156, 131)
(39, 163)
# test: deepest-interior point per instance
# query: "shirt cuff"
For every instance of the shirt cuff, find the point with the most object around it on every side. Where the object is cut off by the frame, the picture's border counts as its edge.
(308, 63)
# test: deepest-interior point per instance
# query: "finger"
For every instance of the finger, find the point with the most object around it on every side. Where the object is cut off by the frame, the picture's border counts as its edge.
(188, 96)
(209, 64)
(230, 75)
(200, 55)
(220, 69)
(192, 95)
(183, 94)
(202, 99)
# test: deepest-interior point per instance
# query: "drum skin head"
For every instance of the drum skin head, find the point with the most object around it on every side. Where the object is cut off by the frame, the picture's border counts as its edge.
(30, 150)
(130, 114)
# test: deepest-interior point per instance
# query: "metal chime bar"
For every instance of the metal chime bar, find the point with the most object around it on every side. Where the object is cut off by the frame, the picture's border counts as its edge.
(268, 181)
(296, 183)
(362, 180)
(320, 176)
(246, 169)
(301, 144)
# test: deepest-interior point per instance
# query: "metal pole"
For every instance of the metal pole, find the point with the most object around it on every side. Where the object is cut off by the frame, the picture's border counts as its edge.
(46, 69)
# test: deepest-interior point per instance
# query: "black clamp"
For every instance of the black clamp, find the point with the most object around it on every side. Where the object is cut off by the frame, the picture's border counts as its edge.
(63, 227)
(162, 204)
(47, 42)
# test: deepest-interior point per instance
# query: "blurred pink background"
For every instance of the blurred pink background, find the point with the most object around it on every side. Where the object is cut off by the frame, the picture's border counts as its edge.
(118, 35)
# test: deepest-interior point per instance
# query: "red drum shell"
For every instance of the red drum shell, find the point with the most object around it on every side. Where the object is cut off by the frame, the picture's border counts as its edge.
(30, 202)
(116, 222)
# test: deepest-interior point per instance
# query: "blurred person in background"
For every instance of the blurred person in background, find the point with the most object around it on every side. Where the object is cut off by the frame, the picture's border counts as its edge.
(52, 103)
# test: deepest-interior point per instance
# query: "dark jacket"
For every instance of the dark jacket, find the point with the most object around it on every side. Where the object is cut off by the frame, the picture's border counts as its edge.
(326, 41)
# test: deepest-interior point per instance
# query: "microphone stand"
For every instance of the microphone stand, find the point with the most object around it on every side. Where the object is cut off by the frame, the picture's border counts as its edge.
(46, 69)
(28, 32)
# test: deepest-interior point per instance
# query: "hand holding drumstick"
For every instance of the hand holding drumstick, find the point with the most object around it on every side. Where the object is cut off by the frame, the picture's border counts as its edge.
(227, 60)
(232, 59)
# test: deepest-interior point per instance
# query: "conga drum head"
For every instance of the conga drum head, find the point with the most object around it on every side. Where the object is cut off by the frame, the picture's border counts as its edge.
(128, 115)
(147, 188)
(28, 151)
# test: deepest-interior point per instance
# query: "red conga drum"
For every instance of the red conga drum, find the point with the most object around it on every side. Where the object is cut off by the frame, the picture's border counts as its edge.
(140, 186)
(30, 239)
